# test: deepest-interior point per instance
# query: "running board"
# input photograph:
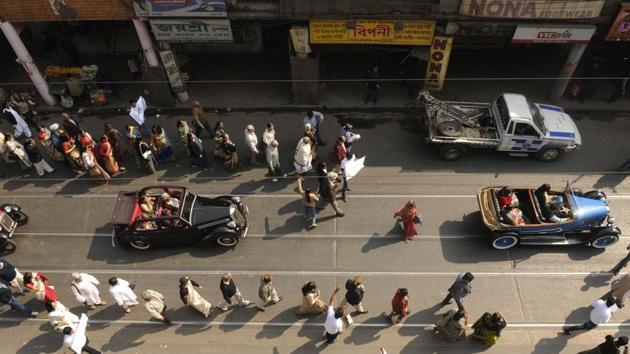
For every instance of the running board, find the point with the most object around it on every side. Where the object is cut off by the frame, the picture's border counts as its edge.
(546, 240)
(518, 154)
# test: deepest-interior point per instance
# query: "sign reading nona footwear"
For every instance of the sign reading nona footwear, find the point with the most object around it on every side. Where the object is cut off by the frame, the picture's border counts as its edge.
(547, 9)
(438, 62)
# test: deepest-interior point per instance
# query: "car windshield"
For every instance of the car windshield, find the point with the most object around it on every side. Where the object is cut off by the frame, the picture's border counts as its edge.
(6, 222)
(504, 114)
(538, 119)
(187, 206)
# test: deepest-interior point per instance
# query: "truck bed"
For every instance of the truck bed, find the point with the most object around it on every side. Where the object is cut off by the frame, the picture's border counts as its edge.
(485, 136)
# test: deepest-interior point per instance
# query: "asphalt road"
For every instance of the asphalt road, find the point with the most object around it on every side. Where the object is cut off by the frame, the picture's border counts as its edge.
(537, 288)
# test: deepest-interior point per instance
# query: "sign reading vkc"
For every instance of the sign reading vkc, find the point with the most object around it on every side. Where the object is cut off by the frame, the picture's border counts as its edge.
(438, 62)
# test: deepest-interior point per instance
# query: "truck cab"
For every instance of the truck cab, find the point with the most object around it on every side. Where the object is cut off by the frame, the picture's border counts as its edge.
(525, 127)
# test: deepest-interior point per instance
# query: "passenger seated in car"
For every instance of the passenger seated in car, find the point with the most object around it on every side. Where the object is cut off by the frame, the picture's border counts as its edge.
(514, 215)
(168, 202)
(555, 211)
(147, 225)
(542, 194)
(146, 205)
(507, 197)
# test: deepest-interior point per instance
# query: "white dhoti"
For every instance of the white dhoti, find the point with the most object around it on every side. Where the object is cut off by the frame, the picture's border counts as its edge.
(195, 300)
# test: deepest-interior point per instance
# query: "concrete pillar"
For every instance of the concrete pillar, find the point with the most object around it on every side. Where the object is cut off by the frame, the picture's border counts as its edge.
(146, 42)
(567, 72)
(181, 96)
(24, 58)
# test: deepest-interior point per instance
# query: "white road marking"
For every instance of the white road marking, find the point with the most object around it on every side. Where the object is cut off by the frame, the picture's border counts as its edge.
(310, 324)
(321, 273)
(292, 196)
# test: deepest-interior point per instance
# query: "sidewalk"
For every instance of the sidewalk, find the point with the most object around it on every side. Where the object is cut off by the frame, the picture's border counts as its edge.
(249, 87)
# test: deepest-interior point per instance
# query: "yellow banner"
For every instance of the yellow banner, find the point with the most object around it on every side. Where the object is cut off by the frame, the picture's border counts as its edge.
(371, 32)
(438, 62)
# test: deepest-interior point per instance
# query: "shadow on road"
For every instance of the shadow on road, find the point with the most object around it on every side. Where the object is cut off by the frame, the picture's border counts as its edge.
(286, 316)
(130, 337)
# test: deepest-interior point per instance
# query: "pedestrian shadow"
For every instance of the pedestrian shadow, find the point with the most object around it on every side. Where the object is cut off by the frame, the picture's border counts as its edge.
(294, 206)
(294, 224)
(249, 187)
(314, 334)
(49, 342)
(377, 240)
(269, 331)
(596, 280)
(238, 317)
(364, 335)
(551, 345)
(427, 315)
(610, 180)
(130, 336)
(109, 313)
(23, 181)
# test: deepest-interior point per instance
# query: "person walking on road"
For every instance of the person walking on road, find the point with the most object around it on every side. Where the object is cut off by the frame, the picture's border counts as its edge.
(45, 138)
(311, 300)
(309, 200)
(600, 314)
(251, 141)
(303, 157)
(76, 339)
(315, 119)
(20, 128)
(6, 297)
(94, 168)
(333, 325)
(136, 111)
(409, 217)
(488, 327)
(351, 137)
(41, 166)
(191, 297)
(70, 126)
(355, 290)
(182, 131)
(329, 194)
(199, 122)
(229, 290)
(340, 152)
(400, 302)
(610, 346)
(11, 275)
(18, 151)
(267, 293)
(115, 137)
(623, 262)
(154, 303)
(85, 290)
(197, 153)
(106, 154)
(59, 316)
(459, 290)
(452, 325)
(269, 134)
(273, 160)
(122, 291)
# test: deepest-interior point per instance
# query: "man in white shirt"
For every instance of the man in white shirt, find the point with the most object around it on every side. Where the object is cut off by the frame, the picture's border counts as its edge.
(333, 324)
(75, 338)
(136, 111)
(251, 140)
(600, 314)
(122, 293)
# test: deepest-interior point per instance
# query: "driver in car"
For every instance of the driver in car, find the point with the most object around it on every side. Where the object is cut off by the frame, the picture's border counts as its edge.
(147, 206)
(168, 207)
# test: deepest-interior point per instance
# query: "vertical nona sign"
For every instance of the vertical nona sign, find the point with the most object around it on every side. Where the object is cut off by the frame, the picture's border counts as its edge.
(438, 62)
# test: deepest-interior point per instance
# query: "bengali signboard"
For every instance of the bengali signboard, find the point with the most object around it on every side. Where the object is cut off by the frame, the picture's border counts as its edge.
(535, 9)
(172, 71)
(438, 62)
(299, 37)
(620, 29)
(180, 8)
(371, 32)
(553, 35)
(192, 30)
(481, 29)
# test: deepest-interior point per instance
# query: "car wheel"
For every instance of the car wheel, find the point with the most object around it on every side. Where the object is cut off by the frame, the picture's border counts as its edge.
(504, 242)
(604, 239)
(140, 243)
(8, 247)
(452, 152)
(227, 240)
(548, 155)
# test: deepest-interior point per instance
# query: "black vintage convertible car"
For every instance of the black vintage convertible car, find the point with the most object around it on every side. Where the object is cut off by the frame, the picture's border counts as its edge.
(188, 219)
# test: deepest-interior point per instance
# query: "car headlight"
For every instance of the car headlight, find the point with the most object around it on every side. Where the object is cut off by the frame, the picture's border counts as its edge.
(231, 224)
(611, 220)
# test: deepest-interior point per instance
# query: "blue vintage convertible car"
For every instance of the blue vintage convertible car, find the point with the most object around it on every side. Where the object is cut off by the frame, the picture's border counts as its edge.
(588, 220)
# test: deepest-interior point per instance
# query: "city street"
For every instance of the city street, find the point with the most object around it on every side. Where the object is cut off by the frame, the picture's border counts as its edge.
(538, 289)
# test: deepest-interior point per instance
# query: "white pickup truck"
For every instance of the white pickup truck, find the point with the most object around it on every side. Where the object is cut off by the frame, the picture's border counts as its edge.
(511, 123)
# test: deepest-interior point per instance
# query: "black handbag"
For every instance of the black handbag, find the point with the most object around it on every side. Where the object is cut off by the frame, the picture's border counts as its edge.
(417, 220)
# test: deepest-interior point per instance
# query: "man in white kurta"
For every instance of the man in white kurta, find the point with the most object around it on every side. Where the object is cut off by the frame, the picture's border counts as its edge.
(190, 296)
(154, 303)
(85, 290)
(19, 125)
(75, 337)
(60, 316)
(122, 293)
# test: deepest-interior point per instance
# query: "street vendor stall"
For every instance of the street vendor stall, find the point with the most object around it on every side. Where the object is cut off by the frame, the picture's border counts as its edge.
(72, 82)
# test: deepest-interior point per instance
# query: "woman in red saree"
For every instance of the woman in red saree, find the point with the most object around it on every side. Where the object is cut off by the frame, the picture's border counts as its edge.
(399, 306)
(106, 153)
(408, 215)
